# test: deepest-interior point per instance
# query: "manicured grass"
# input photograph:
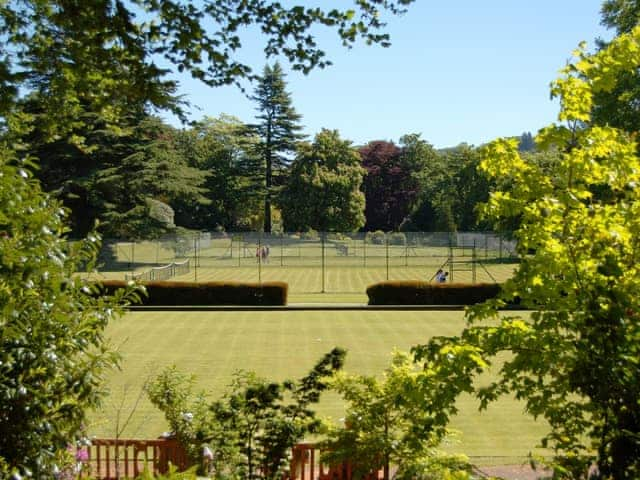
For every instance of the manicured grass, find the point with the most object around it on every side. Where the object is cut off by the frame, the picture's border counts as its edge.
(352, 280)
(280, 345)
(307, 266)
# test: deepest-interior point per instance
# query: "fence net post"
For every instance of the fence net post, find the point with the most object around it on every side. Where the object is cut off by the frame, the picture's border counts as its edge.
(386, 242)
(364, 250)
(195, 258)
(322, 239)
(259, 255)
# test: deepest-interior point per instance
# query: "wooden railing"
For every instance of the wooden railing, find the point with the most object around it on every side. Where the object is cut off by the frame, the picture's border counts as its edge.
(111, 459)
(307, 465)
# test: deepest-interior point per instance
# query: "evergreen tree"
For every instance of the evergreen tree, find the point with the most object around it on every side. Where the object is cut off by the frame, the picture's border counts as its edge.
(144, 177)
(526, 143)
(278, 129)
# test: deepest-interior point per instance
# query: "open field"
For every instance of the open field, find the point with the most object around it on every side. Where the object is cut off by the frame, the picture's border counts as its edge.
(337, 279)
(281, 345)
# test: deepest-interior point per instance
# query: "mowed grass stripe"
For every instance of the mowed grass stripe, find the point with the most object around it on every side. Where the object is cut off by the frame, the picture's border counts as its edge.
(337, 279)
(279, 345)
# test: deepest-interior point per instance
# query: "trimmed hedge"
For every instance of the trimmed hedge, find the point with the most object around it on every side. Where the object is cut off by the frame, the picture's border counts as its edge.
(167, 293)
(425, 293)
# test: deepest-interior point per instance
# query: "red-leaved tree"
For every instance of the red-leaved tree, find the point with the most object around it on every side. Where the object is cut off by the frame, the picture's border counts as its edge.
(390, 185)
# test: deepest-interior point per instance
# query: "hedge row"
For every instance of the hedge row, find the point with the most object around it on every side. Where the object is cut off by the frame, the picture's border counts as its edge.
(166, 293)
(424, 293)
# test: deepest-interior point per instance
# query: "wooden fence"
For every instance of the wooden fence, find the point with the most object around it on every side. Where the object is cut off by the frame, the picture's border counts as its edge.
(306, 465)
(111, 459)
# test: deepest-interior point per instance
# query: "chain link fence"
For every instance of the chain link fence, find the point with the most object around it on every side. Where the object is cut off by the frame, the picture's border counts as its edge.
(312, 262)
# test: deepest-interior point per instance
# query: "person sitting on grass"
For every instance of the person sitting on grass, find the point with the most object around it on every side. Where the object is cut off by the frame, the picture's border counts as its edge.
(438, 275)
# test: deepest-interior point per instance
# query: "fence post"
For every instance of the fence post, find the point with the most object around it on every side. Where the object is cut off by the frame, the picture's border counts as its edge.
(282, 249)
(451, 260)
(364, 250)
(240, 243)
(133, 255)
(259, 257)
(406, 252)
(473, 262)
(386, 241)
(195, 258)
(322, 238)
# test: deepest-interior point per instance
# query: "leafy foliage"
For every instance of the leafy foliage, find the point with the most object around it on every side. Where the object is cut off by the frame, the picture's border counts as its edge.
(252, 427)
(323, 190)
(227, 150)
(144, 174)
(72, 51)
(399, 419)
(393, 180)
(619, 106)
(451, 187)
(52, 351)
(575, 360)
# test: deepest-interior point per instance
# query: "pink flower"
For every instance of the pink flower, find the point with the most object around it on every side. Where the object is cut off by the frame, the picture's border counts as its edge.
(82, 455)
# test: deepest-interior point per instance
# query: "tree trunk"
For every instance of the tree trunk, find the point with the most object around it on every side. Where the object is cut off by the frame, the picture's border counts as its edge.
(268, 182)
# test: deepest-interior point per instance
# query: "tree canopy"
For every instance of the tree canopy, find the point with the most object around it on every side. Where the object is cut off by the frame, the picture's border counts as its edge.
(393, 180)
(103, 57)
(619, 106)
(574, 360)
(323, 190)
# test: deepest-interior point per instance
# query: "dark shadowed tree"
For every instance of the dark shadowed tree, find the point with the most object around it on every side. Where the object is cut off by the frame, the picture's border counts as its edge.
(452, 189)
(227, 149)
(393, 180)
(323, 190)
(139, 183)
(278, 129)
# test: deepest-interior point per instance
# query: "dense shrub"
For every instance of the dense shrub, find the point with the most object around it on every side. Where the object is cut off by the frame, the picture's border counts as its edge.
(376, 238)
(424, 293)
(163, 293)
(397, 238)
(310, 234)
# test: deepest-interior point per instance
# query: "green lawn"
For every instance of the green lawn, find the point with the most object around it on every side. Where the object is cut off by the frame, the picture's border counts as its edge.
(352, 280)
(285, 345)
(307, 266)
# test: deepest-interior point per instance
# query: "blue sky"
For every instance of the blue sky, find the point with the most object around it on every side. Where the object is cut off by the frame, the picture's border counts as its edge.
(457, 71)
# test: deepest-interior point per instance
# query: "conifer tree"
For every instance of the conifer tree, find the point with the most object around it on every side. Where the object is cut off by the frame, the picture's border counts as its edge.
(278, 129)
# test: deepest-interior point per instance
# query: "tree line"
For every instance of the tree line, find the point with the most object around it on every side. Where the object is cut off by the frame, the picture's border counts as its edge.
(141, 177)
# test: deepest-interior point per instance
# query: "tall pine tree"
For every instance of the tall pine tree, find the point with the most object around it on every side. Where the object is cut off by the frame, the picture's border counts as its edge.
(278, 129)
